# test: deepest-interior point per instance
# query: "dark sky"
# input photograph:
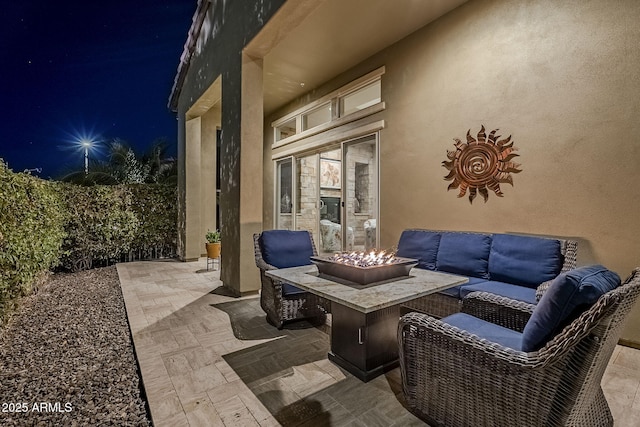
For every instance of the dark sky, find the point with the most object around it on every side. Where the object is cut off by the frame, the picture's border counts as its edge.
(99, 69)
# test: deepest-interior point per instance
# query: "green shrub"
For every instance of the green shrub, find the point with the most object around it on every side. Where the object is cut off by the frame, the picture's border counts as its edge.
(157, 211)
(101, 224)
(32, 217)
(44, 224)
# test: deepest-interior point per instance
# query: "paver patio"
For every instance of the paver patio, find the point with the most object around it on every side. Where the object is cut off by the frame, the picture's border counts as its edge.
(208, 359)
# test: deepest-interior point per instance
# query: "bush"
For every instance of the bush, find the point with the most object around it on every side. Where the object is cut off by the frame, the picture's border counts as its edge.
(32, 217)
(44, 224)
(101, 225)
(157, 212)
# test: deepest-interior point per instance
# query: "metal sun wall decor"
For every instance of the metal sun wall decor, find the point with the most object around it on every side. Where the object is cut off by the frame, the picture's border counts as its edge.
(481, 164)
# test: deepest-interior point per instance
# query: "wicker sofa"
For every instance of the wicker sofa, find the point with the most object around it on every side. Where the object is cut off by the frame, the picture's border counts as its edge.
(464, 370)
(514, 266)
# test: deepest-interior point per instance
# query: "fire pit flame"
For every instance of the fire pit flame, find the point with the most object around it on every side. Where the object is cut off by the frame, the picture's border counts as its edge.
(364, 259)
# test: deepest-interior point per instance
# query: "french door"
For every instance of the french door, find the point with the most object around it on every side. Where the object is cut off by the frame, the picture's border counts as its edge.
(332, 193)
(360, 189)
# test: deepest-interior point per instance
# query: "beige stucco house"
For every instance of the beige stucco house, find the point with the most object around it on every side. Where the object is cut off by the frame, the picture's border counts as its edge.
(336, 115)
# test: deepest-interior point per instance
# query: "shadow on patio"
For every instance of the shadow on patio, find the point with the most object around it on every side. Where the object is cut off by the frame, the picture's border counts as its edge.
(294, 380)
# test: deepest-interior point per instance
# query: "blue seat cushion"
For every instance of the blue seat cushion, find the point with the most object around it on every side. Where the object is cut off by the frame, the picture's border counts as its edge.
(519, 293)
(455, 291)
(486, 330)
(452, 292)
(568, 296)
(285, 248)
(524, 260)
(291, 291)
(466, 254)
(421, 245)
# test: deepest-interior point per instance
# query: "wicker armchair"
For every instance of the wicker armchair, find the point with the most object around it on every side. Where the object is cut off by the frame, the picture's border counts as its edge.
(453, 378)
(283, 302)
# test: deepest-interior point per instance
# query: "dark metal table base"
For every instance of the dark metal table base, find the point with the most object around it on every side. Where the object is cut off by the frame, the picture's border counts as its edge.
(366, 345)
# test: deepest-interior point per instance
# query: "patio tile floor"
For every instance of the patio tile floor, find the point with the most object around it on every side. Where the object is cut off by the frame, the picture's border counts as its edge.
(208, 359)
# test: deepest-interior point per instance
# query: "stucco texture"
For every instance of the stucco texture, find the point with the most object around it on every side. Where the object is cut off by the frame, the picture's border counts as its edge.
(561, 78)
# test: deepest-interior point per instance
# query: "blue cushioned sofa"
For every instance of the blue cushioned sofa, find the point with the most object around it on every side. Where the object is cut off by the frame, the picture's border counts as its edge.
(509, 265)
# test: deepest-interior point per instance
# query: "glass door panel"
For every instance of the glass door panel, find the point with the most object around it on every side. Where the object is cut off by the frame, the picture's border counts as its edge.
(306, 198)
(330, 202)
(360, 187)
(284, 194)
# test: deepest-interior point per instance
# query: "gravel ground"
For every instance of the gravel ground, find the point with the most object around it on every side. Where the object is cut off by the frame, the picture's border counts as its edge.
(67, 359)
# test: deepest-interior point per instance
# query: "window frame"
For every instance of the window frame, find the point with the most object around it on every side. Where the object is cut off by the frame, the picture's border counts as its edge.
(336, 118)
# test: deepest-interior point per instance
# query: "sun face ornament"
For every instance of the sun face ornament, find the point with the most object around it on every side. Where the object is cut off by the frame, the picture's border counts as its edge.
(481, 164)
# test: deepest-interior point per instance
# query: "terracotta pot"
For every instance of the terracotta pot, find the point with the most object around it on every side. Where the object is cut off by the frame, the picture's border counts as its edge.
(213, 250)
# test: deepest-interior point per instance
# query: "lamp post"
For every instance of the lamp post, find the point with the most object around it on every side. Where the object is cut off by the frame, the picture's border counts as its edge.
(86, 144)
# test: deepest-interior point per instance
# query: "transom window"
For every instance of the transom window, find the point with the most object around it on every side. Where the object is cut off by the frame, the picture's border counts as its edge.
(349, 102)
(317, 116)
(286, 129)
(360, 99)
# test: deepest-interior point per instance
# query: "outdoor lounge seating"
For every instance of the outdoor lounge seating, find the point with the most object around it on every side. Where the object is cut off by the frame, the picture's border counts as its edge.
(514, 266)
(281, 301)
(464, 371)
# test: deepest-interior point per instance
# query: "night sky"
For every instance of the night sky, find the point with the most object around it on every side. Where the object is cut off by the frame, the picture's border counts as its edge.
(75, 69)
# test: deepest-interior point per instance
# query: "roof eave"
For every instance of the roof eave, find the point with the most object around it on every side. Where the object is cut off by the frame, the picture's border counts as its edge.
(187, 52)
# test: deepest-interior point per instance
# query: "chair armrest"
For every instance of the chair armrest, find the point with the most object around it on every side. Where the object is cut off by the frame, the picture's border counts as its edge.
(262, 265)
(497, 309)
(542, 288)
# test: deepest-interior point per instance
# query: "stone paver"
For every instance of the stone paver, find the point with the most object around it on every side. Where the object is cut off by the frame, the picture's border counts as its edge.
(208, 359)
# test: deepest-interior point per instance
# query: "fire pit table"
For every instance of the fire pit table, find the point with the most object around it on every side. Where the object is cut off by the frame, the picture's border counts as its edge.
(365, 316)
(364, 268)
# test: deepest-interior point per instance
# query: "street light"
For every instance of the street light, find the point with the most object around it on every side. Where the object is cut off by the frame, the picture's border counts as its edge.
(86, 143)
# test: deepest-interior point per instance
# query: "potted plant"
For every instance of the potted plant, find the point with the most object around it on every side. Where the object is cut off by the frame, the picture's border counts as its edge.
(213, 244)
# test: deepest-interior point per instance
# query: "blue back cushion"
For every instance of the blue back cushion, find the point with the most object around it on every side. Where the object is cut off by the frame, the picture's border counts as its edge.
(464, 253)
(524, 260)
(568, 296)
(284, 248)
(421, 245)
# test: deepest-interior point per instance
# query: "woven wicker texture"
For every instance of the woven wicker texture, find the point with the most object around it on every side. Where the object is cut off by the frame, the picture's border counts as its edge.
(453, 378)
(281, 309)
(441, 305)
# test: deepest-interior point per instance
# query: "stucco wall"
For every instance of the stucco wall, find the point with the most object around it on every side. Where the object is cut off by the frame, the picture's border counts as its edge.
(561, 78)
(227, 28)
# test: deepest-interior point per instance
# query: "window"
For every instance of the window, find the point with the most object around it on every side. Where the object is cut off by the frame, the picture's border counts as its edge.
(286, 129)
(360, 99)
(317, 116)
(327, 112)
(284, 201)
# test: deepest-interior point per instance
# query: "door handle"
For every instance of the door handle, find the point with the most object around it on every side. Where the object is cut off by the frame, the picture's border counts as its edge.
(360, 336)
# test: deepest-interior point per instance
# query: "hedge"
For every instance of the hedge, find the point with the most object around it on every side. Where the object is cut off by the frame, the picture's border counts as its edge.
(101, 225)
(47, 224)
(32, 222)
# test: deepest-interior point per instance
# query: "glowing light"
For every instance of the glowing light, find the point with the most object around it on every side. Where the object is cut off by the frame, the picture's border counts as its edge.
(87, 144)
(86, 141)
